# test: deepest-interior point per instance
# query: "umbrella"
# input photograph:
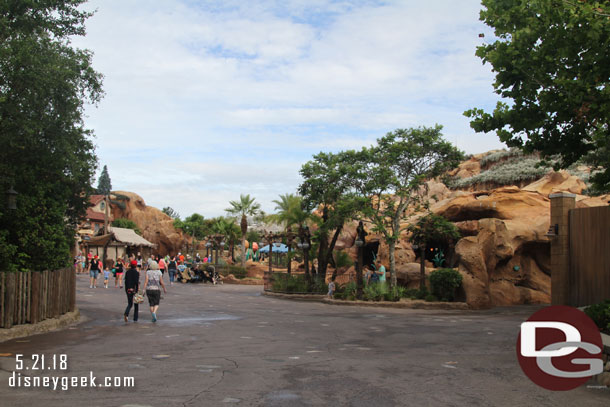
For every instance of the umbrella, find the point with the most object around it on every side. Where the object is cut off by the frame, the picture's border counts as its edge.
(281, 249)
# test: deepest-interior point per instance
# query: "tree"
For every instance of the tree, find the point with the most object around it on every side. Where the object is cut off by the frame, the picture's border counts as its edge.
(552, 64)
(195, 225)
(290, 213)
(104, 185)
(127, 224)
(46, 152)
(230, 230)
(169, 211)
(431, 228)
(245, 207)
(328, 188)
(392, 175)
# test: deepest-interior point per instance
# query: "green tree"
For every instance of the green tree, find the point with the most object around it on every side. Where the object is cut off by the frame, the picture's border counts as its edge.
(46, 152)
(169, 211)
(431, 228)
(104, 185)
(290, 213)
(245, 207)
(195, 226)
(127, 224)
(392, 175)
(328, 187)
(552, 64)
(230, 230)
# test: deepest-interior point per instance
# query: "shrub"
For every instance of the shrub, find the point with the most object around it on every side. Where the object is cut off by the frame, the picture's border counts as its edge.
(509, 172)
(375, 291)
(297, 283)
(431, 298)
(395, 293)
(444, 283)
(342, 259)
(347, 291)
(600, 314)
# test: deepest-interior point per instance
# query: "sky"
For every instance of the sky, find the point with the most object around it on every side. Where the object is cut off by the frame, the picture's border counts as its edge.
(207, 100)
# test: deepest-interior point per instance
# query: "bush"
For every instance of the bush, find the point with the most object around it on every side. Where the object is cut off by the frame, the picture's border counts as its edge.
(347, 291)
(600, 314)
(395, 293)
(342, 259)
(375, 292)
(297, 283)
(444, 283)
(238, 271)
(507, 173)
(430, 298)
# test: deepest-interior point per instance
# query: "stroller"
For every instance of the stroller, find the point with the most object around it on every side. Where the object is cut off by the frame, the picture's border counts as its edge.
(212, 275)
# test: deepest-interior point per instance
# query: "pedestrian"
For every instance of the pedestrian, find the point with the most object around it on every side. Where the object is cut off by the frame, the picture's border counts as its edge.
(106, 277)
(162, 265)
(153, 284)
(94, 270)
(118, 273)
(380, 271)
(172, 268)
(132, 285)
(331, 289)
(139, 260)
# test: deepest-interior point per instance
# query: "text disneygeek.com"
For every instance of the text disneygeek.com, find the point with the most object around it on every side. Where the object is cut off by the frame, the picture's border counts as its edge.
(39, 363)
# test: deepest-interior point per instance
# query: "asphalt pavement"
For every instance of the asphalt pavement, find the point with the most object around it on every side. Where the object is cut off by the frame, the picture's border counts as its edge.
(231, 345)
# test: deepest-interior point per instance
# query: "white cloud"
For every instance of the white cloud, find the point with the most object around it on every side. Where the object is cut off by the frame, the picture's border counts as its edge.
(207, 100)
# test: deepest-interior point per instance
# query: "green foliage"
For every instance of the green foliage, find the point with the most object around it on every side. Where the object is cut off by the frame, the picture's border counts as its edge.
(253, 236)
(169, 211)
(195, 225)
(104, 185)
(127, 224)
(552, 66)
(444, 283)
(374, 291)
(246, 206)
(494, 157)
(46, 153)
(510, 172)
(237, 271)
(296, 283)
(439, 259)
(290, 211)
(431, 228)
(346, 291)
(600, 314)
(342, 259)
(430, 298)
(392, 174)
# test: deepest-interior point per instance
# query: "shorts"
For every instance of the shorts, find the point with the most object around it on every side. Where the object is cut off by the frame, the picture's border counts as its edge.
(94, 273)
(154, 297)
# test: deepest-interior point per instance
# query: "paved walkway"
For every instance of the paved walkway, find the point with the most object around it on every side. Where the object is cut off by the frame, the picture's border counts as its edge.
(228, 345)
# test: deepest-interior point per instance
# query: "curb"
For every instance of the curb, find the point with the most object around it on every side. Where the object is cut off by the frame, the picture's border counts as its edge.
(48, 325)
(408, 304)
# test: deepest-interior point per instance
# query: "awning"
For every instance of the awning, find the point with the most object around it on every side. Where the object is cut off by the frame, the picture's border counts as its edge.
(281, 249)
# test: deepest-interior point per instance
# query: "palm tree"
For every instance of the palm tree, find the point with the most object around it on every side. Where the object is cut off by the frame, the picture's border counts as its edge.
(229, 230)
(245, 207)
(290, 213)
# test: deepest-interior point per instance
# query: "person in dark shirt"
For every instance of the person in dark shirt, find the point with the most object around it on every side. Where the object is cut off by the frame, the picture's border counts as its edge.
(132, 285)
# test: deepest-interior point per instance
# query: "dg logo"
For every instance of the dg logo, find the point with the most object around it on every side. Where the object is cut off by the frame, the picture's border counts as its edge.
(559, 348)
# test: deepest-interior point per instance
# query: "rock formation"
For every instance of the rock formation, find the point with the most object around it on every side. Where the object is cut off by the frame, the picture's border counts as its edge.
(156, 226)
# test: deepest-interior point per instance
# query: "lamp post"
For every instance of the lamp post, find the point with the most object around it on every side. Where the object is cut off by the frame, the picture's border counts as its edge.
(269, 238)
(11, 198)
(207, 249)
(359, 242)
(305, 244)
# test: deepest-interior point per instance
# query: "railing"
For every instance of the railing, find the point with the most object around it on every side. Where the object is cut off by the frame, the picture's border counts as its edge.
(33, 296)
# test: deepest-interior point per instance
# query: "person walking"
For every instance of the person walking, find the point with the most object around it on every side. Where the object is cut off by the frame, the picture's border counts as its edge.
(132, 285)
(172, 268)
(153, 284)
(380, 271)
(118, 273)
(94, 270)
(162, 265)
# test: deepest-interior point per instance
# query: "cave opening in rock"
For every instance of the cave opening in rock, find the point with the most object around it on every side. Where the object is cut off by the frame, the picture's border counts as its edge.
(435, 248)
(369, 254)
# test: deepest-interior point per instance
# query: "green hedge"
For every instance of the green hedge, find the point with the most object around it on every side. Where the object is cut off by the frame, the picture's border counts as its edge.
(600, 314)
(444, 284)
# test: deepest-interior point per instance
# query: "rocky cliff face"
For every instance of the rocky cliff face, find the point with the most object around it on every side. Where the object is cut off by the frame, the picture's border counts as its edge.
(155, 225)
(503, 255)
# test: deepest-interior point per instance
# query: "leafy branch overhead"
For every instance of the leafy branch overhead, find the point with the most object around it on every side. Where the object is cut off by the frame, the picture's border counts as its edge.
(552, 65)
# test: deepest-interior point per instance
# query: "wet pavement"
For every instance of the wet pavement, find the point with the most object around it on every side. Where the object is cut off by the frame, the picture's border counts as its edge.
(229, 345)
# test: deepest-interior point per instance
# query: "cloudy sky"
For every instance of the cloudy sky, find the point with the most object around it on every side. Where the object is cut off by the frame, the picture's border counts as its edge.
(209, 99)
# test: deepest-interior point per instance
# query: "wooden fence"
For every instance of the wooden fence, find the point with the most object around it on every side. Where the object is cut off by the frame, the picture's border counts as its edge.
(589, 276)
(33, 296)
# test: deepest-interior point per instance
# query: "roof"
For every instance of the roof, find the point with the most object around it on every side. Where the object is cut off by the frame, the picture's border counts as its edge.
(93, 215)
(121, 235)
(95, 199)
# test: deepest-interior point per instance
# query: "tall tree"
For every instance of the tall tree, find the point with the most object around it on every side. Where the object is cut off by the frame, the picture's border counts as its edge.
(169, 211)
(230, 230)
(552, 64)
(104, 185)
(246, 206)
(45, 150)
(290, 213)
(328, 190)
(392, 175)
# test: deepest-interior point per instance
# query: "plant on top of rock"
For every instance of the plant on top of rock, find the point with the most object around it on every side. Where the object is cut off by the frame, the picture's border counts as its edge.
(509, 172)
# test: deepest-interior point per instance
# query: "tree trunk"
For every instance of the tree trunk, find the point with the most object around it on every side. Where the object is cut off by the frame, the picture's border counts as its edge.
(392, 250)
(359, 279)
(326, 258)
(289, 260)
(422, 268)
(243, 250)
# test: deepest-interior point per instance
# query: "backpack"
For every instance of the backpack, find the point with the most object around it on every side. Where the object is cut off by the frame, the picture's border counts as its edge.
(374, 277)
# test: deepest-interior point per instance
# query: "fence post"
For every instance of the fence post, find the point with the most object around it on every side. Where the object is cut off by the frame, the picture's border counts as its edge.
(561, 204)
(72, 305)
(9, 300)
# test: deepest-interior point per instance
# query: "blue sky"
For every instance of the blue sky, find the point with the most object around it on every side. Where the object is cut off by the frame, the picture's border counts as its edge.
(206, 100)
